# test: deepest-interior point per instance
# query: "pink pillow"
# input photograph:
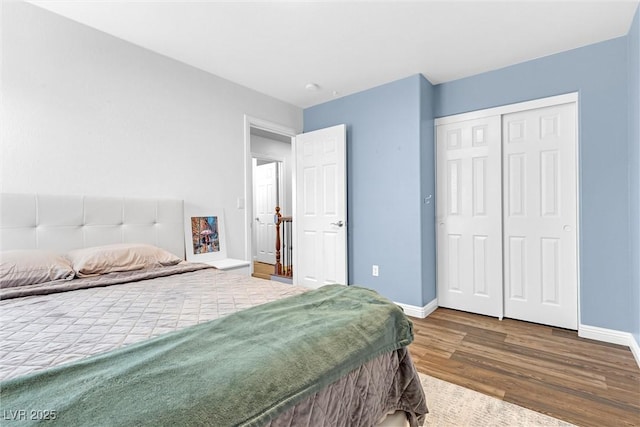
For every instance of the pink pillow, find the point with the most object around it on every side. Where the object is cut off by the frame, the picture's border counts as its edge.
(119, 257)
(31, 266)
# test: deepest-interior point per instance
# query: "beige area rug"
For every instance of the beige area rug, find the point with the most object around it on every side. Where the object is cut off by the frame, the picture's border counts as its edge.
(452, 405)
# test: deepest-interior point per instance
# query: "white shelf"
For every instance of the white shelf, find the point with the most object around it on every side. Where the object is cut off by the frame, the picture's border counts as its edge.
(233, 265)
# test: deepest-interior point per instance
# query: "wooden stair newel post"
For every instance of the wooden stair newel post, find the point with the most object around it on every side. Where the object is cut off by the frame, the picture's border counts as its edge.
(278, 266)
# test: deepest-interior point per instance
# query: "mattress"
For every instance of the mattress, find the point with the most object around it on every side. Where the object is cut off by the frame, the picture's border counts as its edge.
(111, 311)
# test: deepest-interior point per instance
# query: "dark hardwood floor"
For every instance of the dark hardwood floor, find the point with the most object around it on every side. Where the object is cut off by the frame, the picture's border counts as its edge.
(546, 369)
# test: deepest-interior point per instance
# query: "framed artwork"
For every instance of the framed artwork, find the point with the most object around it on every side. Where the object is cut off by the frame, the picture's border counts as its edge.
(204, 237)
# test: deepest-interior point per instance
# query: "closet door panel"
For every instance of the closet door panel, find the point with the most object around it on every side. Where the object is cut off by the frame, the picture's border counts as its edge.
(468, 215)
(540, 215)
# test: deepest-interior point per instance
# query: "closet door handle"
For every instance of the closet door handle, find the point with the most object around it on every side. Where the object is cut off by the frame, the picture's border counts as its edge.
(566, 228)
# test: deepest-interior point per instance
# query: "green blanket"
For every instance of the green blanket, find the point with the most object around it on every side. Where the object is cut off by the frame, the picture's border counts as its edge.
(243, 369)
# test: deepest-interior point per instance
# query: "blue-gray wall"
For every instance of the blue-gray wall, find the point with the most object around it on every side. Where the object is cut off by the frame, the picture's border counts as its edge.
(599, 73)
(383, 184)
(428, 190)
(382, 137)
(634, 167)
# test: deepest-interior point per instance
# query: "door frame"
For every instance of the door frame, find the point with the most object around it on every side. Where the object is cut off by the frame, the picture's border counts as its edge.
(282, 167)
(254, 122)
(572, 97)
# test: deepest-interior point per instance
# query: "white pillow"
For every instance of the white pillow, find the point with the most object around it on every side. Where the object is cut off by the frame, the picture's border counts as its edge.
(31, 266)
(119, 257)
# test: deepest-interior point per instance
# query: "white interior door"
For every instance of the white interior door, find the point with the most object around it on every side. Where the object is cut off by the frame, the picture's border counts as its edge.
(540, 215)
(320, 208)
(468, 216)
(266, 200)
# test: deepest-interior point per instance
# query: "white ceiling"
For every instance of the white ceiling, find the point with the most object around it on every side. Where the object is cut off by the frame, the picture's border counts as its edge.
(278, 47)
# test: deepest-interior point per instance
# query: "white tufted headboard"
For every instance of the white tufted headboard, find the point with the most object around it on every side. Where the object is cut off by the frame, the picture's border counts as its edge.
(63, 223)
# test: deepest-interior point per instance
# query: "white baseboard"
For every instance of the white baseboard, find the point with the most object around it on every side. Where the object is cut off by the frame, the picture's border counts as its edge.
(421, 312)
(611, 336)
(635, 349)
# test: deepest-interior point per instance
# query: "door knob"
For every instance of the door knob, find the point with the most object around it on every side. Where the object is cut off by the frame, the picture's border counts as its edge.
(339, 223)
(257, 219)
(567, 228)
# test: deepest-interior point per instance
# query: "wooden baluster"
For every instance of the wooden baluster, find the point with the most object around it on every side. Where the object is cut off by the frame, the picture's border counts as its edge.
(278, 266)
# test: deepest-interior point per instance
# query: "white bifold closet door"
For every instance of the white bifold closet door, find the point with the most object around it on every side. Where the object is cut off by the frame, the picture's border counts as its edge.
(506, 204)
(469, 216)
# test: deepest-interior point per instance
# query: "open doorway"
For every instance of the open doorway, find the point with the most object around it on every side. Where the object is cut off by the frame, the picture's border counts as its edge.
(268, 185)
(325, 147)
(268, 192)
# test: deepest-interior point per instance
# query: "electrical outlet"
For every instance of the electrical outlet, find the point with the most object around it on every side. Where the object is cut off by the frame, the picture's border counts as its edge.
(375, 270)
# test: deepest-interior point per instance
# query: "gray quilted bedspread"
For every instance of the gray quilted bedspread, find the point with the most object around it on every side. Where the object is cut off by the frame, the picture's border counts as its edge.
(47, 330)
(41, 331)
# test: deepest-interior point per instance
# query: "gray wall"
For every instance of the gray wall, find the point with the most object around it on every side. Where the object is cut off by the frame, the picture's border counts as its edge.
(87, 113)
(271, 149)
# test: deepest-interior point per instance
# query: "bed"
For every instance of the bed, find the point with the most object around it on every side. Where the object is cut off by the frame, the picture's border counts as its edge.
(148, 339)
